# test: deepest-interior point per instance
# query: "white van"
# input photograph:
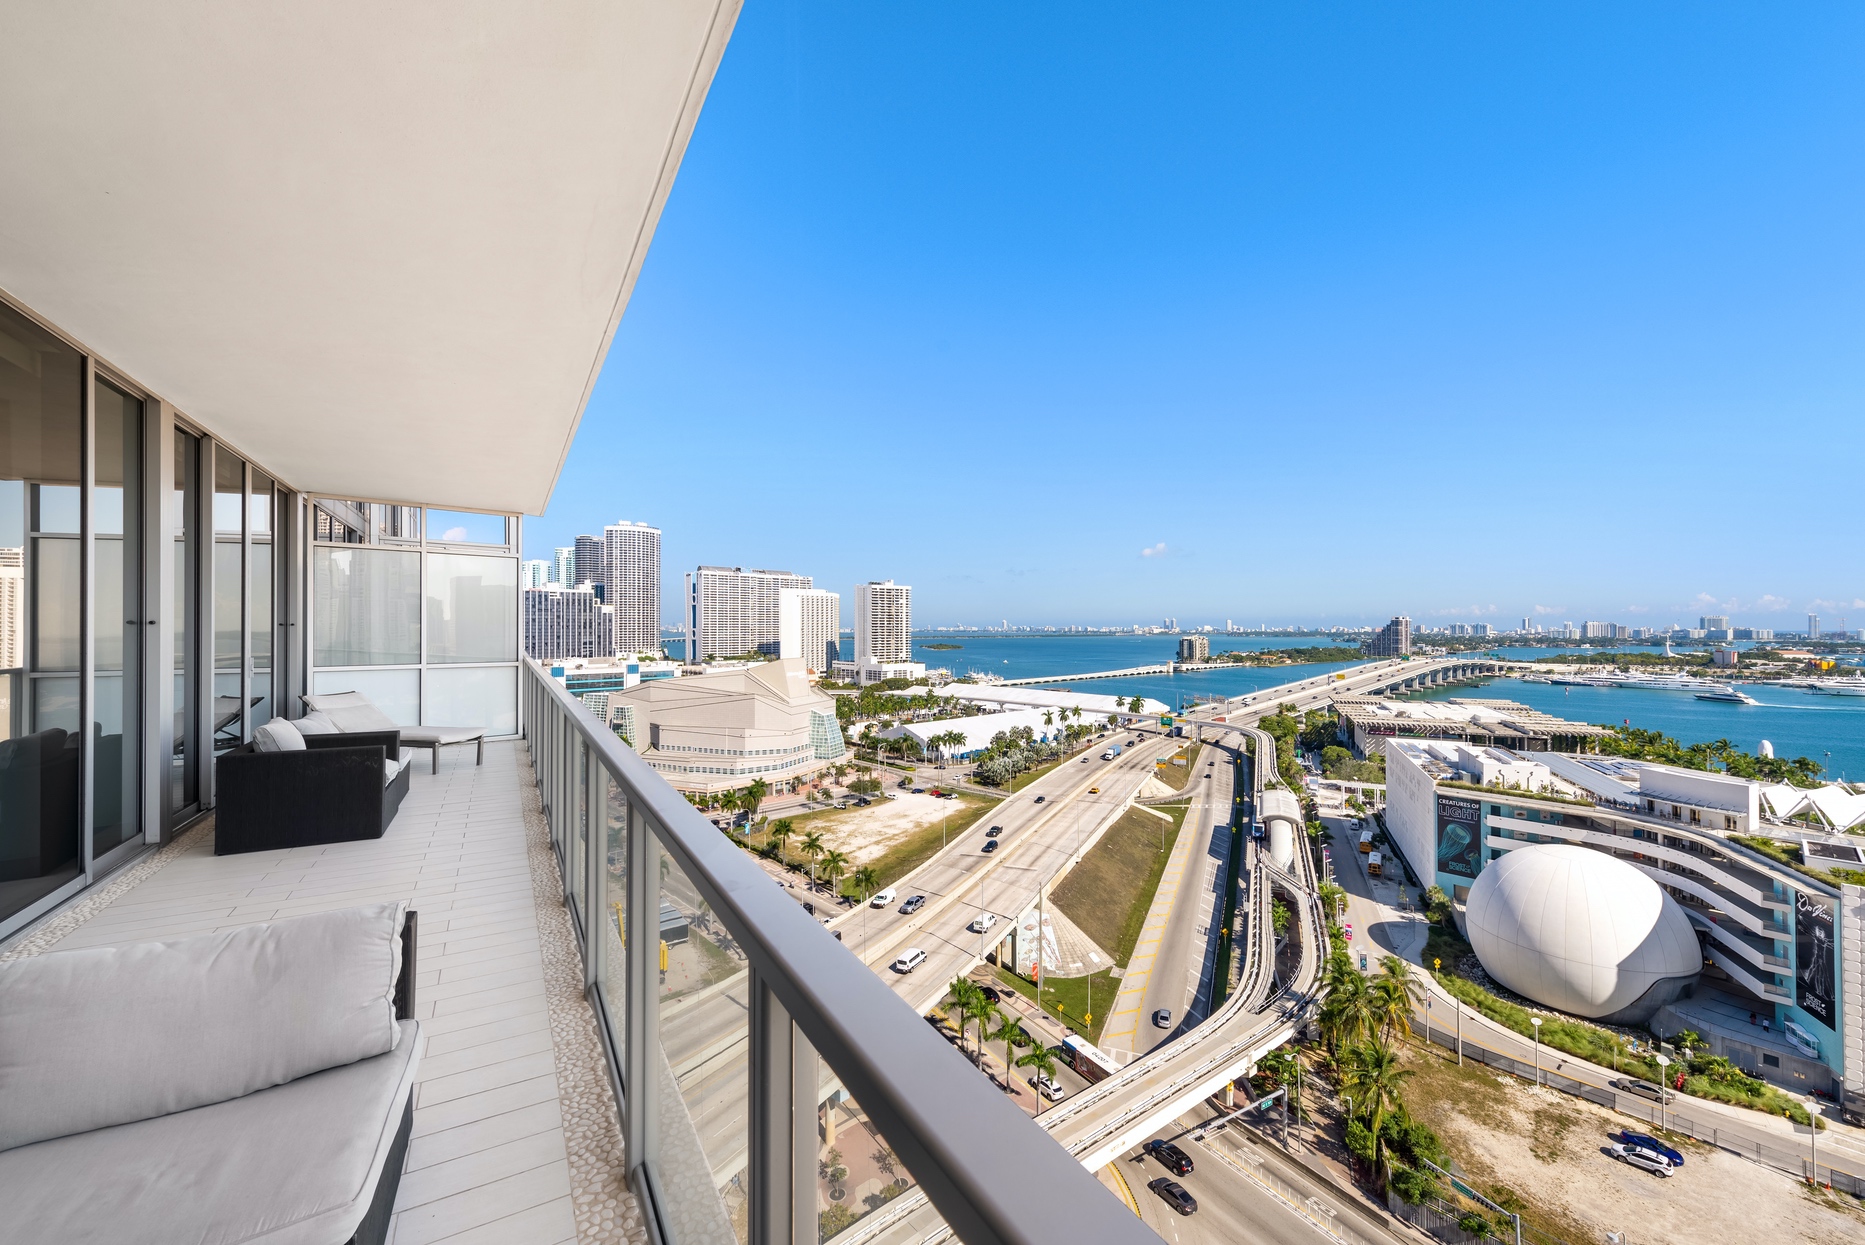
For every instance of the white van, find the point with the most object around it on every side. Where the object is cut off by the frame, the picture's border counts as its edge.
(913, 958)
(982, 922)
(882, 898)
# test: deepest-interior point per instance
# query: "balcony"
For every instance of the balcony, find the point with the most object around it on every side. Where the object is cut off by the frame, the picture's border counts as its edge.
(534, 1011)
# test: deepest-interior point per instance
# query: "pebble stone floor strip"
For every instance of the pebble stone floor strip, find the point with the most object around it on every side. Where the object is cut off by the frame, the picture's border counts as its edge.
(515, 1133)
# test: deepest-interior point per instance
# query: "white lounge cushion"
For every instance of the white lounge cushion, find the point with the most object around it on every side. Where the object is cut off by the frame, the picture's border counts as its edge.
(293, 1165)
(351, 712)
(278, 735)
(315, 723)
(391, 766)
(110, 1035)
(442, 734)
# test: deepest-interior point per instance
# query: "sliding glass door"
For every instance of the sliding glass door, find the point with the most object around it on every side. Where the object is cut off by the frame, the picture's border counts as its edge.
(119, 622)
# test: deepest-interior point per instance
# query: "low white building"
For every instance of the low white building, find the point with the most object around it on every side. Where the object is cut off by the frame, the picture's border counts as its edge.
(978, 731)
(719, 731)
(879, 672)
(1092, 704)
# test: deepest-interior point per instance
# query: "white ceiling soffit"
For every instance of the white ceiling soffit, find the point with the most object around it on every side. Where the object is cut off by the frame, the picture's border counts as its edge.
(381, 247)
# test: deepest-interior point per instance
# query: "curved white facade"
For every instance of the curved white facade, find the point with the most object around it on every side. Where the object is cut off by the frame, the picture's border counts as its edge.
(1581, 931)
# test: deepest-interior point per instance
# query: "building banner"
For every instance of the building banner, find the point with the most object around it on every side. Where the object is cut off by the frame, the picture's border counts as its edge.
(1460, 836)
(1813, 958)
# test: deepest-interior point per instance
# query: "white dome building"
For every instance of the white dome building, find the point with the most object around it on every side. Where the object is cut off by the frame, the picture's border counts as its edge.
(1582, 932)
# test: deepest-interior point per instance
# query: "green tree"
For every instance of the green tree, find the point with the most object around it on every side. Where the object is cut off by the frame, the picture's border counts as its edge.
(1374, 1080)
(780, 835)
(833, 865)
(812, 847)
(1394, 994)
(752, 796)
(867, 880)
(1009, 1032)
(1137, 705)
(1043, 1060)
(1347, 1015)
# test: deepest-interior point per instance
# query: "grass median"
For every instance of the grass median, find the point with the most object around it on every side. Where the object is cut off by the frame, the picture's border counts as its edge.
(1108, 894)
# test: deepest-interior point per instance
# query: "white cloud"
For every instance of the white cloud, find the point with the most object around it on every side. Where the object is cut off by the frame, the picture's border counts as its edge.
(1462, 611)
(1550, 609)
(454, 533)
(1769, 602)
(1157, 551)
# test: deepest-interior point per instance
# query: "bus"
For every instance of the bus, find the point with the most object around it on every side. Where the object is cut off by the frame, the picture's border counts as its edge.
(1366, 841)
(1372, 865)
(1087, 1060)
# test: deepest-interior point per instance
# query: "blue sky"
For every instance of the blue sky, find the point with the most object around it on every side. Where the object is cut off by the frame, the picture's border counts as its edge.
(1299, 313)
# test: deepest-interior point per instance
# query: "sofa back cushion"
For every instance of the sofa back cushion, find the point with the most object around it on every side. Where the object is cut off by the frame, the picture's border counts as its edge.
(351, 711)
(111, 1035)
(278, 735)
(315, 723)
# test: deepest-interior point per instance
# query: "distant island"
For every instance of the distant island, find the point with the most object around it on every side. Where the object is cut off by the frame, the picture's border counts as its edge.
(941, 648)
(1288, 656)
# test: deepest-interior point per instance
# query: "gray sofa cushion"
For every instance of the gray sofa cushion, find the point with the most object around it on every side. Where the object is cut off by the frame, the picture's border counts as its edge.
(291, 1165)
(351, 712)
(315, 723)
(110, 1035)
(278, 735)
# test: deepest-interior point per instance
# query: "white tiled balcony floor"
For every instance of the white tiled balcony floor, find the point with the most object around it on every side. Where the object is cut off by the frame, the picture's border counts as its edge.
(488, 1161)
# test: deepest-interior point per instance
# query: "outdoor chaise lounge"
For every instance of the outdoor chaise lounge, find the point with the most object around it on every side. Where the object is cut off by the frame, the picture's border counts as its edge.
(252, 1086)
(352, 711)
(300, 784)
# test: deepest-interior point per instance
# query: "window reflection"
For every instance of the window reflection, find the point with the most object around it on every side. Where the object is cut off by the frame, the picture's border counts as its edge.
(41, 419)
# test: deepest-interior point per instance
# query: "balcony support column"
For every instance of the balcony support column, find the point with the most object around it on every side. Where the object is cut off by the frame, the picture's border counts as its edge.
(784, 1081)
(641, 1016)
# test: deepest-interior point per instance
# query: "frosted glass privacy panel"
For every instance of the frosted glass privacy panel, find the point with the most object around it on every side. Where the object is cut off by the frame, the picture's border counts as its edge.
(472, 608)
(483, 696)
(462, 527)
(365, 607)
(395, 692)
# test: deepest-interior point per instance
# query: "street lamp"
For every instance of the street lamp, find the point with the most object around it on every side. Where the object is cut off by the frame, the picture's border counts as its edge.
(1664, 1087)
(1536, 1021)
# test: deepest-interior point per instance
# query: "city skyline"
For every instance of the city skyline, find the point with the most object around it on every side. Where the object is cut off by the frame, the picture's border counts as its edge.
(1402, 257)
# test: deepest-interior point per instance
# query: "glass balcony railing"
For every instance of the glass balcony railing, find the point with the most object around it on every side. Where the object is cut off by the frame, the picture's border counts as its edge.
(772, 1088)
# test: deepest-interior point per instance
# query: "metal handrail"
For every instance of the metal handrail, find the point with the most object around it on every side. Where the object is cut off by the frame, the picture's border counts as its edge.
(990, 1171)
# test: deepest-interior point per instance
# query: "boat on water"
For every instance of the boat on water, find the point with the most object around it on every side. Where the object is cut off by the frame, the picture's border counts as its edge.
(1728, 695)
(1671, 683)
(1837, 687)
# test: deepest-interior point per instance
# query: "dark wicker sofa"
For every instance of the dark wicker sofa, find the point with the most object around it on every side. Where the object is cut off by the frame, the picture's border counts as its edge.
(336, 789)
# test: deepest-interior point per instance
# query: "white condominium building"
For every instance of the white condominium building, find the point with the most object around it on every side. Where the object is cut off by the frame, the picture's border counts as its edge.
(883, 623)
(565, 622)
(731, 611)
(534, 573)
(631, 577)
(809, 623)
(563, 566)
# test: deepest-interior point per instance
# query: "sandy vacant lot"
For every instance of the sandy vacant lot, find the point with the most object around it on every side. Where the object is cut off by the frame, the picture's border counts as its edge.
(863, 834)
(1547, 1148)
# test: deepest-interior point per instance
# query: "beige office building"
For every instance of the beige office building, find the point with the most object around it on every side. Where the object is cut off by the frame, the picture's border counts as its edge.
(718, 732)
(809, 625)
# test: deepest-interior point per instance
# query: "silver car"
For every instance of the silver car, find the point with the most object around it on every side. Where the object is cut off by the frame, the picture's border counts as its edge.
(1643, 1159)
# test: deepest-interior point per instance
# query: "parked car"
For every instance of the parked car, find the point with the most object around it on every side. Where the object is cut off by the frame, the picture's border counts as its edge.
(882, 898)
(919, 791)
(913, 904)
(1646, 1142)
(1163, 1018)
(990, 845)
(993, 832)
(1174, 1195)
(1643, 1159)
(910, 960)
(1094, 791)
(982, 922)
(1170, 1157)
(1041, 798)
(1644, 1089)
(1045, 1085)
(991, 995)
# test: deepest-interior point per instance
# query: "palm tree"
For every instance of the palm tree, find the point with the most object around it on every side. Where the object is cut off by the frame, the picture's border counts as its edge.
(752, 796)
(1044, 1061)
(1049, 719)
(812, 846)
(967, 1000)
(780, 835)
(1394, 994)
(1347, 1016)
(867, 880)
(833, 865)
(1374, 1079)
(1008, 1031)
